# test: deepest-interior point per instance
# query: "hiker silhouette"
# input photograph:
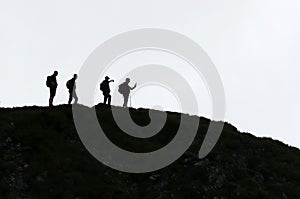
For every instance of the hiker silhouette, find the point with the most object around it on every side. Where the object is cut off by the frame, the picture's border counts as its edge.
(71, 85)
(52, 84)
(125, 89)
(104, 87)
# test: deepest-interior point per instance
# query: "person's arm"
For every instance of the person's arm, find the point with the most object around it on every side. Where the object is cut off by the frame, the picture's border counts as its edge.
(111, 80)
(131, 88)
(54, 83)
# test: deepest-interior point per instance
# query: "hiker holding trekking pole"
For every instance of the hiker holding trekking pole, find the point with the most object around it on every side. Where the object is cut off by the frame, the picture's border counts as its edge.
(125, 89)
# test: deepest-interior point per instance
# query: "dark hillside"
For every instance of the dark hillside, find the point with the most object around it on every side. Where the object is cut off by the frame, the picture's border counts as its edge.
(43, 157)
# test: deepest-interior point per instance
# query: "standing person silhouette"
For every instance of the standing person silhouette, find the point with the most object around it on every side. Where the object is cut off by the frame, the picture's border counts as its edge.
(104, 87)
(125, 89)
(71, 85)
(52, 84)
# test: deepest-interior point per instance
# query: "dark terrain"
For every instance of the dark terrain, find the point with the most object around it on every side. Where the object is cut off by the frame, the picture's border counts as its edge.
(43, 157)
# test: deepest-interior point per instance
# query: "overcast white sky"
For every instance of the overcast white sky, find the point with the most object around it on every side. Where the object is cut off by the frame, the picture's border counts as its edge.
(255, 45)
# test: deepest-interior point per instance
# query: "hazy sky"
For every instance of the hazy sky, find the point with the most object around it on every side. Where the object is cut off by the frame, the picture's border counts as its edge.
(255, 45)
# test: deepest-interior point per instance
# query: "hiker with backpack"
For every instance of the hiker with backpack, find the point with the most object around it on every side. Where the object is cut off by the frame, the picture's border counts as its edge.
(125, 89)
(104, 87)
(71, 85)
(51, 83)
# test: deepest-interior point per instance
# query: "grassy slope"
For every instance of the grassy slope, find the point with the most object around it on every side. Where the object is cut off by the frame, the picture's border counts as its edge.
(42, 157)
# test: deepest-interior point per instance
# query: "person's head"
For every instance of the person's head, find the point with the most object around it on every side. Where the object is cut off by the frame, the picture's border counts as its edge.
(75, 76)
(106, 78)
(55, 73)
(127, 80)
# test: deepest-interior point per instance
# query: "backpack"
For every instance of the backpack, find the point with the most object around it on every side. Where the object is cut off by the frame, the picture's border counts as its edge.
(69, 84)
(48, 81)
(122, 88)
(102, 86)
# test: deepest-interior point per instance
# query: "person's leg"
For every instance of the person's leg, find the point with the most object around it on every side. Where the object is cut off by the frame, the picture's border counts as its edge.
(125, 100)
(75, 97)
(105, 98)
(109, 99)
(50, 98)
(51, 101)
(70, 97)
(52, 95)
